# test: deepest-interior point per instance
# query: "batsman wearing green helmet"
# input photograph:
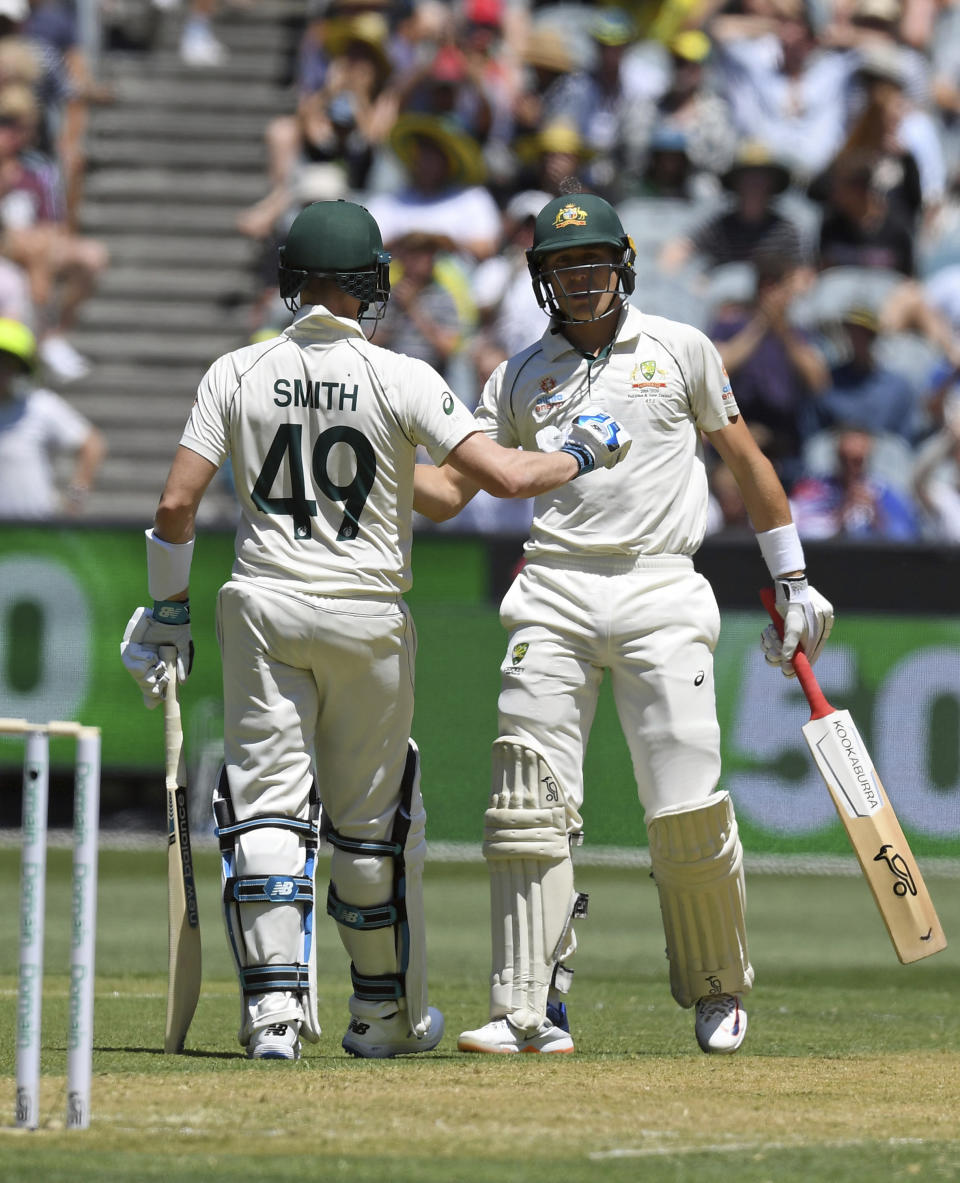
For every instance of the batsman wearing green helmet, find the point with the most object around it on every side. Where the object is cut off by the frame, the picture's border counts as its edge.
(322, 428)
(609, 585)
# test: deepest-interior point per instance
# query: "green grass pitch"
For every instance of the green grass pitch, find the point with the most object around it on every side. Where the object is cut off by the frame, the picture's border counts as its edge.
(851, 1069)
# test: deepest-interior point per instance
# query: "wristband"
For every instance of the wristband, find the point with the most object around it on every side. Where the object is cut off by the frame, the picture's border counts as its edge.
(781, 550)
(168, 566)
(171, 611)
(583, 456)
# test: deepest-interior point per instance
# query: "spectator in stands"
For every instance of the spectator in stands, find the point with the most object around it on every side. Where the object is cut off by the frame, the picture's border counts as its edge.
(667, 170)
(751, 226)
(851, 502)
(936, 476)
(691, 108)
(62, 268)
(470, 80)
(53, 25)
(443, 191)
(428, 312)
(861, 392)
(775, 368)
(36, 426)
(554, 159)
(341, 121)
(783, 86)
(507, 309)
(606, 110)
(549, 61)
(37, 64)
(859, 229)
(874, 140)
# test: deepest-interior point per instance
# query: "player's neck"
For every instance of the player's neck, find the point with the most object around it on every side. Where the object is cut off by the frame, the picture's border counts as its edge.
(594, 336)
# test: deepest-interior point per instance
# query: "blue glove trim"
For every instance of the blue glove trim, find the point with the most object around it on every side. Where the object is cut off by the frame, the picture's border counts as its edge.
(171, 611)
(583, 456)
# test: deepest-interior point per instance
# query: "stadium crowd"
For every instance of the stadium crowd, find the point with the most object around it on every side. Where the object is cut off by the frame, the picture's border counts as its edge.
(789, 171)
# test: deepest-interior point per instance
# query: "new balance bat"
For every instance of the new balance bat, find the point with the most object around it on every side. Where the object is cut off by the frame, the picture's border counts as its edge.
(868, 817)
(183, 970)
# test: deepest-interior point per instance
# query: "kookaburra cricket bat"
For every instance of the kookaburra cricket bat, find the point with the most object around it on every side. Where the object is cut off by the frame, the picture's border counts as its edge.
(183, 971)
(868, 817)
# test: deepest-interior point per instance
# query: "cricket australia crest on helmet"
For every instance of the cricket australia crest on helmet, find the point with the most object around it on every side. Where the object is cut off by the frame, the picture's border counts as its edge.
(570, 215)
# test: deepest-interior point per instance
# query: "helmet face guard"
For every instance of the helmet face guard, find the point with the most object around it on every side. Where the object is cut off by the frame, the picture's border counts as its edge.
(549, 284)
(369, 285)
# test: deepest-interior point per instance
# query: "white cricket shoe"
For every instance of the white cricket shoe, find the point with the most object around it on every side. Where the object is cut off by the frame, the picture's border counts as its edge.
(199, 47)
(721, 1023)
(63, 361)
(280, 1041)
(381, 1039)
(500, 1037)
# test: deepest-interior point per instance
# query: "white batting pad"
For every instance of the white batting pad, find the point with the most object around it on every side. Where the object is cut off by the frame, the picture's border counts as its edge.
(697, 864)
(532, 896)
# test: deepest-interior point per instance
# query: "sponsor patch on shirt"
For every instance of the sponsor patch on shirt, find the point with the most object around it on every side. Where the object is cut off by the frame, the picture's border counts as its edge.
(550, 396)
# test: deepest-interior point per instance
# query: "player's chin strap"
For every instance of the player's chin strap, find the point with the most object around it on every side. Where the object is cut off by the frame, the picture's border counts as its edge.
(399, 885)
(269, 910)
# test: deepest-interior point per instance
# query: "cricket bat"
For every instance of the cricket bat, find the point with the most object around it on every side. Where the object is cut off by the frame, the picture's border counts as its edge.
(183, 972)
(868, 817)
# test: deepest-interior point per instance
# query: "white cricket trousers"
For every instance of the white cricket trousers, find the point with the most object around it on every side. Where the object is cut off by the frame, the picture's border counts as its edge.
(653, 623)
(312, 686)
(321, 685)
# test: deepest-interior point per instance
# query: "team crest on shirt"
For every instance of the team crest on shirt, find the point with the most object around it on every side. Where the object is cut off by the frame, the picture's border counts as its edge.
(519, 652)
(645, 377)
(570, 215)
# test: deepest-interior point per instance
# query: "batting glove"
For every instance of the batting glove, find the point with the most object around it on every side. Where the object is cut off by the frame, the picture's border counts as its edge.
(807, 621)
(594, 439)
(166, 623)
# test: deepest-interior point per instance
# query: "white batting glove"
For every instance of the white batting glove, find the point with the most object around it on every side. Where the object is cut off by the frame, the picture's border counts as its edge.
(140, 648)
(594, 439)
(807, 621)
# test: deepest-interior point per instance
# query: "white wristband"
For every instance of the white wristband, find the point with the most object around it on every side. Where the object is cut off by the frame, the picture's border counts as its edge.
(781, 550)
(168, 566)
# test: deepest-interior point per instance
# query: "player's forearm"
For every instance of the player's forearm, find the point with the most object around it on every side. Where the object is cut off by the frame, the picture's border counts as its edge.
(89, 458)
(440, 493)
(528, 474)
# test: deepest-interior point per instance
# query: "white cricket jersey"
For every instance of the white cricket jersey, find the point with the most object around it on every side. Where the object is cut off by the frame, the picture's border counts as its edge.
(322, 429)
(35, 428)
(666, 383)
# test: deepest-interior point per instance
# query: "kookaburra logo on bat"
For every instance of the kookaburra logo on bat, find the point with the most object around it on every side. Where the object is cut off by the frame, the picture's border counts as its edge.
(898, 866)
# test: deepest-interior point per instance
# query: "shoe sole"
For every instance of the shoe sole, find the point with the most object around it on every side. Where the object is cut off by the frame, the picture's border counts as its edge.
(384, 1054)
(464, 1045)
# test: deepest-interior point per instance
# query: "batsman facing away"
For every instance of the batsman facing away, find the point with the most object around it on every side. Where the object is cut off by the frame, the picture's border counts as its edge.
(609, 584)
(322, 428)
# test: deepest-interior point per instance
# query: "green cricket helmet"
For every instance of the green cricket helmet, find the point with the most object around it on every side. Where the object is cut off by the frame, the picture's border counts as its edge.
(340, 241)
(579, 219)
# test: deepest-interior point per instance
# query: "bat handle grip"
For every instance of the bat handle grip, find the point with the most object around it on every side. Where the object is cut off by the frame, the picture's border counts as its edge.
(173, 734)
(819, 707)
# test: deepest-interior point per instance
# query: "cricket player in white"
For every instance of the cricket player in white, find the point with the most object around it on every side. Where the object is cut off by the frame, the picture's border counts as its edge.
(609, 584)
(317, 644)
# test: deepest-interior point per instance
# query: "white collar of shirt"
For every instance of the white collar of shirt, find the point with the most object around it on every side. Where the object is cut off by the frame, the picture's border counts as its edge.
(317, 321)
